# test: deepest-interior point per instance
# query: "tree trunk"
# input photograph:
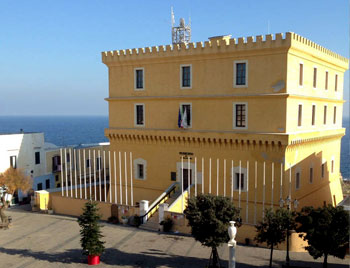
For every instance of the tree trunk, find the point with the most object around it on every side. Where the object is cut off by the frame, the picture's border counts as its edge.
(325, 261)
(271, 255)
(215, 260)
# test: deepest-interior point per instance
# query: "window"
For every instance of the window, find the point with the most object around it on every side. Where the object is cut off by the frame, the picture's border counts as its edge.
(240, 74)
(140, 172)
(13, 161)
(98, 163)
(240, 115)
(56, 178)
(239, 181)
(139, 79)
(322, 170)
(301, 70)
(335, 115)
(332, 166)
(47, 184)
(186, 115)
(300, 111)
(297, 180)
(139, 115)
(325, 115)
(313, 115)
(336, 83)
(140, 168)
(87, 163)
(56, 163)
(186, 76)
(173, 176)
(326, 81)
(315, 77)
(40, 186)
(58, 185)
(37, 158)
(68, 157)
(311, 178)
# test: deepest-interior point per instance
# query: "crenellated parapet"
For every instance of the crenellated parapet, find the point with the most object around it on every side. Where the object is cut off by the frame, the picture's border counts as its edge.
(221, 44)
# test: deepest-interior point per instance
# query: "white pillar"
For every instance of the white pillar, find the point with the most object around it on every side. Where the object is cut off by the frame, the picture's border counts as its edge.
(162, 207)
(70, 172)
(144, 208)
(209, 175)
(263, 203)
(189, 173)
(255, 188)
(195, 176)
(202, 175)
(90, 173)
(75, 173)
(217, 176)
(84, 158)
(120, 178)
(272, 182)
(104, 175)
(61, 167)
(281, 190)
(131, 183)
(290, 181)
(247, 205)
(182, 183)
(126, 179)
(65, 156)
(110, 176)
(231, 256)
(115, 178)
(232, 180)
(239, 184)
(95, 175)
(80, 193)
(99, 174)
(224, 177)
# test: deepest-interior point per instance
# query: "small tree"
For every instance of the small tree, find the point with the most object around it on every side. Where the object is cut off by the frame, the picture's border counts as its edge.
(15, 179)
(326, 230)
(90, 230)
(209, 218)
(273, 228)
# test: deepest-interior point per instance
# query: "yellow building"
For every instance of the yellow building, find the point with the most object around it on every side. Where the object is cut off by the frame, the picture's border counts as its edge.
(256, 118)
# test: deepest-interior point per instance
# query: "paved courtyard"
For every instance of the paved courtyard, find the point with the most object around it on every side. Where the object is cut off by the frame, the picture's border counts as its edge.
(39, 240)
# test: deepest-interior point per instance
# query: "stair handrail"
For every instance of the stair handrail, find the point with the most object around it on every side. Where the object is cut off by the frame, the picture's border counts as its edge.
(158, 201)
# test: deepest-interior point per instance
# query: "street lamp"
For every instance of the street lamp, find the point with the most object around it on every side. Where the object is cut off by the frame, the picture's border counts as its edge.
(288, 202)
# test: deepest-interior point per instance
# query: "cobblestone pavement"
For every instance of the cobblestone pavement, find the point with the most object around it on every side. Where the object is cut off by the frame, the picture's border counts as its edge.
(40, 240)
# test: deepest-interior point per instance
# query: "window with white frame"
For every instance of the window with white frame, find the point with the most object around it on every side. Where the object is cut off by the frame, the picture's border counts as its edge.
(240, 73)
(240, 115)
(139, 114)
(297, 180)
(140, 168)
(186, 75)
(185, 120)
(239, 178)
(139, 79)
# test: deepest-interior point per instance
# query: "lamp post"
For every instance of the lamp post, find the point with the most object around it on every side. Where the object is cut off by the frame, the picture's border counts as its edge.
(288, 203)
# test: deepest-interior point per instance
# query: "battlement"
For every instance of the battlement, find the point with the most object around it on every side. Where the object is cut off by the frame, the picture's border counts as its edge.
(221, 45)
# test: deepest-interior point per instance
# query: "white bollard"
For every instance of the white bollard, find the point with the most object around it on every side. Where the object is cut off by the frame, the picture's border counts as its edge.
(144, 208)
(232, 231)
(162, 207)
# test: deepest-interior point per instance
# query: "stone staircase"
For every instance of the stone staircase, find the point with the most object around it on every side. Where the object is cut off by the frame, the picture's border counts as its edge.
(153, 223)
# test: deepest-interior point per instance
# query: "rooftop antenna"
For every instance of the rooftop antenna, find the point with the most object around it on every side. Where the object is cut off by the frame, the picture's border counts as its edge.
(182, 33)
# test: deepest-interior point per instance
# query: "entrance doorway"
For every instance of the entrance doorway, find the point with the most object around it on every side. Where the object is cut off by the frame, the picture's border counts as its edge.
(187, 177)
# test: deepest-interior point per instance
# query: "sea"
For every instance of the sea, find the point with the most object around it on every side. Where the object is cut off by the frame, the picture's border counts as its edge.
(75, 130)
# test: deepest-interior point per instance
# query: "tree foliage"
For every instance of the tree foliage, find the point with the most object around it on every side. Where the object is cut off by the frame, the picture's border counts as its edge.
(15, 179)
(326, 230)
(209, 218)
(90, 230)
(273, 228)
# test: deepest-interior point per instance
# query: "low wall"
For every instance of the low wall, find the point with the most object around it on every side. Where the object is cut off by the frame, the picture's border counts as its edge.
(246, 231)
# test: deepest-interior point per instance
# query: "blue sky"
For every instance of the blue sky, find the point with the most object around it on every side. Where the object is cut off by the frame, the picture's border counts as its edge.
(50, 50)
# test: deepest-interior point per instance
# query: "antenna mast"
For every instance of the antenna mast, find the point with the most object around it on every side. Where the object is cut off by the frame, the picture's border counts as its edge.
(182, 33)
